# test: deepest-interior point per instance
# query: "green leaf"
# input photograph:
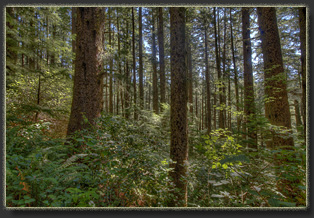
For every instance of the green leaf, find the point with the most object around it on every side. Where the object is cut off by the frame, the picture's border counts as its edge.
(277, 203)
(29, 201)
(235, 158)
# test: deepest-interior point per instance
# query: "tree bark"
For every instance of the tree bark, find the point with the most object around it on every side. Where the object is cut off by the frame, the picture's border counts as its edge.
(217, 52)
(141, 82)
(189, 66)
(155, 79)
(297, 114)
(235, 74)
(88, 79)
(302, 21)
(179, 135)
(127, 75)
(249, 104)
(276, 105)
(110, 67)
(161, 57)
(134, 67)
(207, 78)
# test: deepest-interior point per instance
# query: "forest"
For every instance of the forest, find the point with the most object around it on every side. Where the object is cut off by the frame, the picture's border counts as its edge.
(156, 107)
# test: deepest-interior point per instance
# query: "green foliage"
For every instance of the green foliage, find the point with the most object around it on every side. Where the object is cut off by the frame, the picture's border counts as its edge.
(119, 163)
(246, 179)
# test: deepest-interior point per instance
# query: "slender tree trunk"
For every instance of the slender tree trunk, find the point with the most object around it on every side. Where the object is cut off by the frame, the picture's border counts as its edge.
(221, 121)
(155, 79)
(88, 79)
(207, 78)
(141, 82)
(297, 115)
(202, 110)
(223, 94)
(189, 66)
(110, 67)
(120, 91)
(214, 108)
(235, 74)
(161, 56)
(179, 134)
(302, 21)
(134, 67)
(249, 104)
(127, 75)
(73, 33)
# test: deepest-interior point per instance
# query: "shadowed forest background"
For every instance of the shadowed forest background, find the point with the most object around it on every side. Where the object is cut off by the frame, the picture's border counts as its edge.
(156, 107)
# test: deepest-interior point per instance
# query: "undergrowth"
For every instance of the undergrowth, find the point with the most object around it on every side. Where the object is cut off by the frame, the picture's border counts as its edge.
(121, 163)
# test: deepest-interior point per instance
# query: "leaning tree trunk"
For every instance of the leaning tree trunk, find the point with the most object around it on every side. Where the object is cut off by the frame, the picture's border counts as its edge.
(178, 113)
(88, 79)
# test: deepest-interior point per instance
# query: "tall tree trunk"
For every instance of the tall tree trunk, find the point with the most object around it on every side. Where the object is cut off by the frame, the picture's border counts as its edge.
(141, 82)
(302, 21)
(223, 94)
(134, 66)
(179, 134)
(276, 104)
(249, 104)
(127, 75)
(221, 121)
(214, 108)
(235, 74)
(189, 65)
(120, 91)
(110, 67)
(155, 79)
(161, 57)
(88, 79)
(277, 107)
(207, 78)
(73, 33)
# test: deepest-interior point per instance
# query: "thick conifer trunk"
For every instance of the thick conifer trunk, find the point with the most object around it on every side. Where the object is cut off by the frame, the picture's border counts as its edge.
(276, 104)
(179, 135)
(88, 80)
